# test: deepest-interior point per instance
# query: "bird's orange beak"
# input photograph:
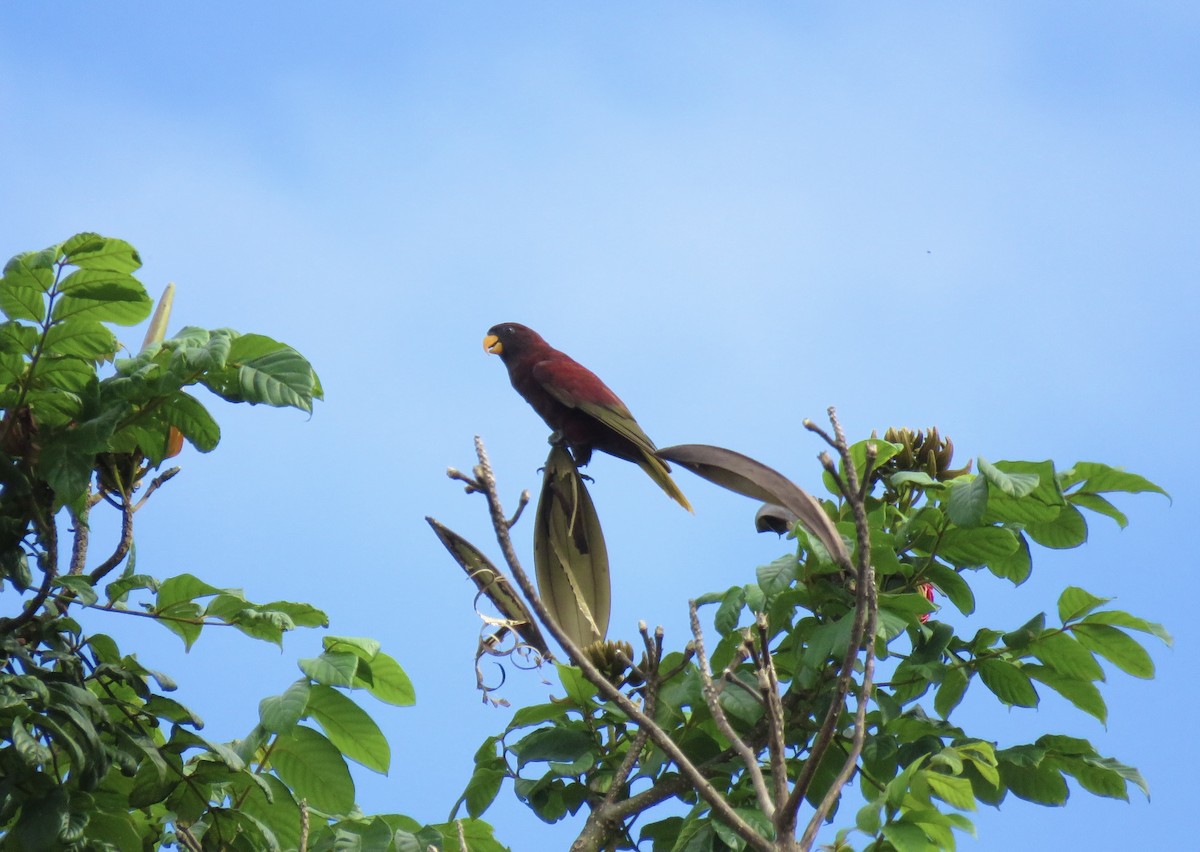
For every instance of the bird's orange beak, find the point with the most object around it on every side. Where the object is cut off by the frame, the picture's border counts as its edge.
(492, 345)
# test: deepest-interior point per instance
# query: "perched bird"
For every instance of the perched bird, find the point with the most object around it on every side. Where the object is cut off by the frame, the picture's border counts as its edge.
(580, 408)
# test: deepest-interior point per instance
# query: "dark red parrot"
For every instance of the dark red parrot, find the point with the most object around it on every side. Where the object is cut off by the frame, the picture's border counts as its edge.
(579, 407)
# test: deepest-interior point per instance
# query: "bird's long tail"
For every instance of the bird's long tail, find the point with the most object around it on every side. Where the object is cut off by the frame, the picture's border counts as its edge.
(660, 473)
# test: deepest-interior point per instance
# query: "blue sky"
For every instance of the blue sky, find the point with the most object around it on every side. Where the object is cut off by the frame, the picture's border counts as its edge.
(982, 217)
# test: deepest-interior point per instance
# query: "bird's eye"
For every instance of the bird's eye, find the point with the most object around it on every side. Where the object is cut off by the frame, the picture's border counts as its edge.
(508, 329)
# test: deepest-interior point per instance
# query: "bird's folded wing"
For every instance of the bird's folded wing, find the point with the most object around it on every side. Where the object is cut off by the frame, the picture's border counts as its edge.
(577, 387)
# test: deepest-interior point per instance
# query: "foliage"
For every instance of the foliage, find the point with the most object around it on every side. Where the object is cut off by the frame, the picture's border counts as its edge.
(764, 719)
(94, 754)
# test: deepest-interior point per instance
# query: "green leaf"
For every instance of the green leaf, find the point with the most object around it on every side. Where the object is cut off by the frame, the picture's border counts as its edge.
(1026, 633)
(536, 714)
(29, 749)
(185, 587)
(82, 338)
(1068, 529)
(829, 640)
(1075, 602)
(280, 713)
(868, 819)
(261, 370)
(350, 728)
(951, 584)
(103, 296)
(388, 681)
(1041, 784)
(192, 419)
(777, 576)
(954, 790)
(482, 789)
(1061, 652)
(169, 708)
(1082, 693)
(64, 372)
(906, 837)
(730, 610)
(1098, 504)
(965, 503)
(1011, 484)
(563, 745)
(314, 769)
(739, 703)
(1008, 682)
(976, 546)
(92, 251)
(363, 648)
(1116, 646)
(81, 586)
(950, 692)
(1015, 567)
(1117, 618)
(27, 278)
(579, 689)
(280, 812)
(1039, 505)
(332, 669)
(1098, 478)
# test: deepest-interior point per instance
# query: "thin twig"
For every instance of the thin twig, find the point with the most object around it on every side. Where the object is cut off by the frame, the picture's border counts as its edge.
(775, 716)
(157, 483)
(712, 699)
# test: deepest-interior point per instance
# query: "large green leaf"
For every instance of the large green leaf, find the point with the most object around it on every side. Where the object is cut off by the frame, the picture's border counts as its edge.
(279, 714)
(350, 728)
(184, 412)
(1082, 693)
(967, 500)
(27, 278)
(82, 338)
(104, 296)
(1098, 478)
(1008, 682)
(1062, 653)
(314, 769)
(1043, 784)
(280, 812)
(1075, 602)
(1067, 529)
(1116, 646)
(332, 669)
(976, 546)
(1010, 483)
(92, 251)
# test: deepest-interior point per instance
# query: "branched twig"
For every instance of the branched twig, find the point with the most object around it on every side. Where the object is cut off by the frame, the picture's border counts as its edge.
(485, 481)
(712, 699)
(157, 483)
(866, 610)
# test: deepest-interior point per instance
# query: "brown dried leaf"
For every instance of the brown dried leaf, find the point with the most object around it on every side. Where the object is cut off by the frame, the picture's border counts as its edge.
(754, 479)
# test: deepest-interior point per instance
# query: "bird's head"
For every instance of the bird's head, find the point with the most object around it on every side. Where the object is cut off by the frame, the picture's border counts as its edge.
(510, 339)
